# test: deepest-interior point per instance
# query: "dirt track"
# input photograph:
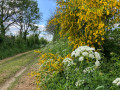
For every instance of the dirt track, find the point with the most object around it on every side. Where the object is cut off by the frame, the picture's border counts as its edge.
(25, 82)
(11, 80)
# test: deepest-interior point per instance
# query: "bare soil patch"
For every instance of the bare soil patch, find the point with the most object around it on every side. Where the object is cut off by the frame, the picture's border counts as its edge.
(11, 80)
(26, 82)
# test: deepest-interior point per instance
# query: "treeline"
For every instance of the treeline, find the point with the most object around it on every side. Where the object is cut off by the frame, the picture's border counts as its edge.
(25, 15)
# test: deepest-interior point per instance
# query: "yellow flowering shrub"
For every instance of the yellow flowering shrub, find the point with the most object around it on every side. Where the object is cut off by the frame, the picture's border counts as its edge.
(51, 62)
(37, 51)
(85, 21)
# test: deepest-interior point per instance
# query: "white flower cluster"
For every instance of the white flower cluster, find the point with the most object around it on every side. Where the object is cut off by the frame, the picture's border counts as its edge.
(116, 81)
(68, 61)
(97, 63)
(82, 50)
(86, 51)
(97, 56)
(88, 70)
(79, 82)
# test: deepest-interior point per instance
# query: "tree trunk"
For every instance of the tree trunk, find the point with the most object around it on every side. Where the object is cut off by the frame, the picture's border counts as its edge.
(21, 33)
(25, 35)
(2, 30)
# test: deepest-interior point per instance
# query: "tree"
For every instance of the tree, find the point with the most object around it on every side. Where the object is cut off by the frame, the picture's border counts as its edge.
(53, 29)
(20, 12)
(28, 16)
(85, 21)
(8, 9)
(34, 29)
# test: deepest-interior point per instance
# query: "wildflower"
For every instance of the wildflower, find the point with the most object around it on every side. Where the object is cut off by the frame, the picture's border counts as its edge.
(68, 61)
(116, 81)
(85, 53)
(92, 48)
(118, 84)
(82, 48)
(81, 58)
(79, 83)
(77, 54)
(91, 56)
(88, 70)
(97, 63)
(97, 56)
(73, 53)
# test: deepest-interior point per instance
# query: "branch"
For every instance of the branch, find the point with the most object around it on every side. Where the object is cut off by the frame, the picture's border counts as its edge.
(10, 24)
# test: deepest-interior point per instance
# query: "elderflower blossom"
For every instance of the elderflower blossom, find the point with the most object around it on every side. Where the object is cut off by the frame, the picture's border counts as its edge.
(73, 53)
(81, 58)
(97, 56)
(82, 49)
(116, 81)
(77, 54)
(91, 56)
(85, 53)
(97, 63)
(68, 61)
(88, 70)
(79, 83)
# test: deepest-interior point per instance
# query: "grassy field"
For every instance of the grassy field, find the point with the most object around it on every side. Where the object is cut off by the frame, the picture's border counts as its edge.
(10, 66)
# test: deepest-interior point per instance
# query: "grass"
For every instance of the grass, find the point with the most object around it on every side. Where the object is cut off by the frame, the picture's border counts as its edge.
(18, 78)
(9, 67)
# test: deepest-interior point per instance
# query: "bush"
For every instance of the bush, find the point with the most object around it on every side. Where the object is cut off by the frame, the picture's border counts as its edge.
(43, 41)
(12, 45)
(112, 42)
(91, 72)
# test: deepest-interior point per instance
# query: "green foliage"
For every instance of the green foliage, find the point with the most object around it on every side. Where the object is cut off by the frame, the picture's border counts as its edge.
(56, 35)
(12, 45)
(43, 42)
(92, 81)
(60, 47)
(100, 79)
(53, 29)
(112, 42)
(33, 40)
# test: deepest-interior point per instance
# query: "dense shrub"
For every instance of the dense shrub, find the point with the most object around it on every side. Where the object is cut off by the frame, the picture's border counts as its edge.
(91, 72)
(112, 42)
(12, 45)
(43, 42)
